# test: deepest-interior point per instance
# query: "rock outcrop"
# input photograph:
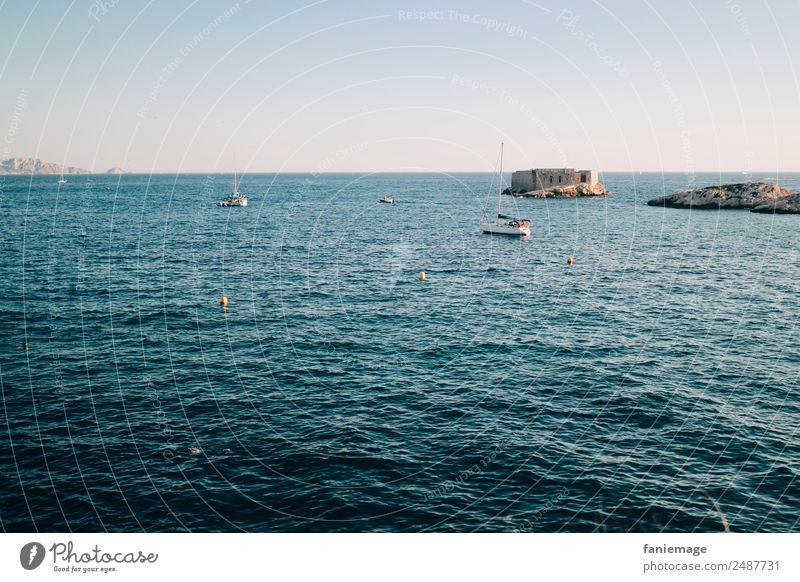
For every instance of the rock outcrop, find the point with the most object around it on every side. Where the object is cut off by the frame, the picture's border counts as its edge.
(755, 196)
(36, 166)
(785, 205)
(116, 171)
(572, 191)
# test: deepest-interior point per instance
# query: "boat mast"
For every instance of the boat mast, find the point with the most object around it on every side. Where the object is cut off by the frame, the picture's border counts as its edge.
(233, 189)
(500, 184)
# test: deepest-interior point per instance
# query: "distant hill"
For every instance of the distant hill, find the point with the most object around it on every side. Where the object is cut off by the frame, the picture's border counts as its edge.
(36, 166)
(116, 171)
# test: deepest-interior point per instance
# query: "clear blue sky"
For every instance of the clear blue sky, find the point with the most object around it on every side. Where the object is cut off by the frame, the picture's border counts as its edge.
(342, 85)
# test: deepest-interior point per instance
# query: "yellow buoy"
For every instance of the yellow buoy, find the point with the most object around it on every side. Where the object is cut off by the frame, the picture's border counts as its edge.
(223, 301)
(422, 275)
(570, 260)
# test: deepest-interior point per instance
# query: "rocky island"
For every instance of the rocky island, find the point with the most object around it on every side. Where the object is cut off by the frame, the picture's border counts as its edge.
(555, 183)
(572, 191)
(754, 196)
(785, 205)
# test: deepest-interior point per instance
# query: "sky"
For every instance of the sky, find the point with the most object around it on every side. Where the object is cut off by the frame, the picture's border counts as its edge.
(360, 86)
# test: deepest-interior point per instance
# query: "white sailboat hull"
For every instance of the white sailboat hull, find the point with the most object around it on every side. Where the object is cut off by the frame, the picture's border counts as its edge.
(496, 228)
(235, 201)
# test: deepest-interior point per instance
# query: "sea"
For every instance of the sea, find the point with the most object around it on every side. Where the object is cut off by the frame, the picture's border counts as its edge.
(650, 386)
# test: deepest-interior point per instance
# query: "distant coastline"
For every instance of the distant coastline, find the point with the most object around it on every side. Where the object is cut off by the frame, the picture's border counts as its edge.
(27, 166)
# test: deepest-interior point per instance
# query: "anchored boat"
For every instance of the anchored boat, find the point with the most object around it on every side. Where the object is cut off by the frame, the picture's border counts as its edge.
(236, 198)
(505, 224)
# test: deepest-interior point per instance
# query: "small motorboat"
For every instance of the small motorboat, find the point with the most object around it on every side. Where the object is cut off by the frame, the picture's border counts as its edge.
(388, 200)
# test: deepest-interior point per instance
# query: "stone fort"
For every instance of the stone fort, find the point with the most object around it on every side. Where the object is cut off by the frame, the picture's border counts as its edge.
(544, 178)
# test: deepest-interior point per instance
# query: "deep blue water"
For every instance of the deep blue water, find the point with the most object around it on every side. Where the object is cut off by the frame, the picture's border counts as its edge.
(337, 392)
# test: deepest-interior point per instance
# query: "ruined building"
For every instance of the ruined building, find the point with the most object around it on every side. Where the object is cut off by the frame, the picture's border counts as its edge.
(544, 178)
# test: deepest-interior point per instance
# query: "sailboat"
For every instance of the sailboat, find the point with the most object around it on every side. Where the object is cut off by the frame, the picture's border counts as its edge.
(62, 180)
(236, 198)
(505, 224)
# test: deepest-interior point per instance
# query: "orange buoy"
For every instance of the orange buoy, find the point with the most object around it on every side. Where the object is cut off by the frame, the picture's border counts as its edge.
(223, 301)
(422, 275)
(570, 260)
